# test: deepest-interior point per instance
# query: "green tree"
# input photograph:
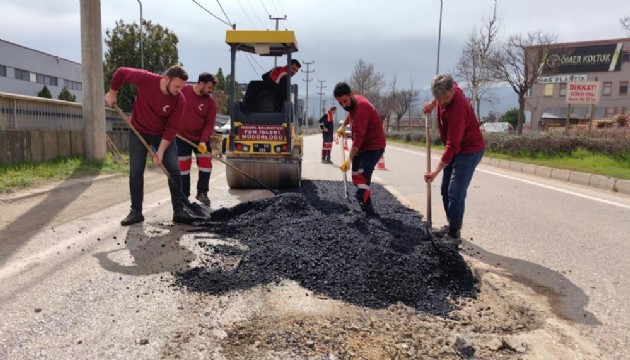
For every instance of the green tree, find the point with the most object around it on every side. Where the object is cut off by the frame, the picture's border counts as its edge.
(66, 95)
(222, 92)
(510, 116)
(44, 93)
(123, 49)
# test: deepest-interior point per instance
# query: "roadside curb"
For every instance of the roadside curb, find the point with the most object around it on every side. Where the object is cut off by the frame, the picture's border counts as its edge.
(70, 183)
(575, 177)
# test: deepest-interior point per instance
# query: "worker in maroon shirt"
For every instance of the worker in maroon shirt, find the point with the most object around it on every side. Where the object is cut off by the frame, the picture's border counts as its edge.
(157, 115)
(459, 131)
(198, 125)
(368, 142)
(275, 81)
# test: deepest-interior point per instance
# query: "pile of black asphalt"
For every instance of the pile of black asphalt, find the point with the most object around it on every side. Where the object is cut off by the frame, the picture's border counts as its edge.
(320, 240)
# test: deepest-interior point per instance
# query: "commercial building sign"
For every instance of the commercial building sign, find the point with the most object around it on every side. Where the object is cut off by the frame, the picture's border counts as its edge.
(583, 59)
(584, 92)
(560, 79)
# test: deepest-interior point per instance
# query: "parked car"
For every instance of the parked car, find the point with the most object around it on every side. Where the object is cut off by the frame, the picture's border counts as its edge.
(348, 132)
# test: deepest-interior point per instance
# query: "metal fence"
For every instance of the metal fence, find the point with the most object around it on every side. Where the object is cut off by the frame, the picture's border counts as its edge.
(19, 112)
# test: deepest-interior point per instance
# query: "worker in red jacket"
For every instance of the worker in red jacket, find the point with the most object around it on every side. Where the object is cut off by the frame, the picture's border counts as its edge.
(157, 115)
(198, 125)
(275, 81)
(368, 142)
(326, 124)
(459, 131)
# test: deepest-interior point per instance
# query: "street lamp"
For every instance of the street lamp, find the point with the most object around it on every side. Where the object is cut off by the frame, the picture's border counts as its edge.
(141, 47)
(437, 69)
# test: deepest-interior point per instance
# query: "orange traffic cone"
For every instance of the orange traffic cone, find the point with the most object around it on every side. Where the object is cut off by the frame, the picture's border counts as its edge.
(381, 163)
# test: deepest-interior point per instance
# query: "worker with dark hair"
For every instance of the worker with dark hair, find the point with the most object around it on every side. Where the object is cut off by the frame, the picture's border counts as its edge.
(459, 131)
(275, 81)
(368, 142)
(327, 125)
(157, 115)
(198, 125)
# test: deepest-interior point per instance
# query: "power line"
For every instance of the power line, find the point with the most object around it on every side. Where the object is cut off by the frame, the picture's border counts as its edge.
(256, 61)
(256, 14)
(308, 72)
(263, 4)
(252, 65)
(245, 12)
(221, 6)
(216, 17)
(273, 2)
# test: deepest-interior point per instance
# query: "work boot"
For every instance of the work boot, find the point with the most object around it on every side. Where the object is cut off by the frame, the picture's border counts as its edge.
(368, 209)
(134, 217)
(203, 198)
(324, 161)
(182, 217)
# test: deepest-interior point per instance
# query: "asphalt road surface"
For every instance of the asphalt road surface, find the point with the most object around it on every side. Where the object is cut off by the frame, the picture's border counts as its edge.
(75, 284)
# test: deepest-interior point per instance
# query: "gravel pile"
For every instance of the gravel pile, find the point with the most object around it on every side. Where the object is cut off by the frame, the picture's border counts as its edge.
(316, 238)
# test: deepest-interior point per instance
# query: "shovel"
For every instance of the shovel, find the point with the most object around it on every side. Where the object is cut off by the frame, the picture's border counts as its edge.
(428, 139)
(230, 165)
(342, 145)
(195, 209)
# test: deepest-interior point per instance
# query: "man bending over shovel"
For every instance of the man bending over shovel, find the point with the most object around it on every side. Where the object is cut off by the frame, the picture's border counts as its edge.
(157, 116)
(368, 142)
(199, 119)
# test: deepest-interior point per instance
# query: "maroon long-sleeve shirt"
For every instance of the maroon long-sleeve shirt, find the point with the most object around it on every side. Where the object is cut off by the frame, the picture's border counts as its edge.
(459, 127)
(200, 116)
(366, 126)
(153, 112)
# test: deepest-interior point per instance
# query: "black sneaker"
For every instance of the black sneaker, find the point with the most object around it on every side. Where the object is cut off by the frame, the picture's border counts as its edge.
(183, 217)
(441, 231)
(324, 161)
(203, 198)
(329, 161)
(134, 217)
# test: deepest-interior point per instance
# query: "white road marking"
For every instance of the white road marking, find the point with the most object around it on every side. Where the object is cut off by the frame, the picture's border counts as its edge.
(549, 187)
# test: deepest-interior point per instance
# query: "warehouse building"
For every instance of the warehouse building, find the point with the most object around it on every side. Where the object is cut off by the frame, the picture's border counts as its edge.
(25, 71)
(605, 61)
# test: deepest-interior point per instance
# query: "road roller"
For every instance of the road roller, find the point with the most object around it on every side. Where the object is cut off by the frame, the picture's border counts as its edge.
(263, 141)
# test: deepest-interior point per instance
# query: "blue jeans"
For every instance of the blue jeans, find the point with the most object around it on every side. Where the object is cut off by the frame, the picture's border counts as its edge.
(137, 164)
(455, 180)
(362, 168)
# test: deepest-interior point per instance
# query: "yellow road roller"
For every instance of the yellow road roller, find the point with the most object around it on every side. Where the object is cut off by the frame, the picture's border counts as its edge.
(262, 142)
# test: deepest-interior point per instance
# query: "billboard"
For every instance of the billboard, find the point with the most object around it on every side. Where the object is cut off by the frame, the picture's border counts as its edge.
(583, 59)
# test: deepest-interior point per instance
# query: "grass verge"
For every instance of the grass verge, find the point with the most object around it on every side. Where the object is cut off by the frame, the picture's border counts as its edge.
(24, 175)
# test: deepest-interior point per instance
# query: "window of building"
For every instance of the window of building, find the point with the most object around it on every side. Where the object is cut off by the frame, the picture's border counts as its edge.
(3, 70)
(623, 88)
(528, 94)
(607, 89)
(625, 57)
(548, 90)
(72, 85)
(22, 75)
(563, 89)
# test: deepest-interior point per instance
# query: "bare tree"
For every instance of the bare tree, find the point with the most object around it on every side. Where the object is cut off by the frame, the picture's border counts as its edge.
(625, 23)
(366, 81)
(401, 101)
(519, 62)
(473, 66)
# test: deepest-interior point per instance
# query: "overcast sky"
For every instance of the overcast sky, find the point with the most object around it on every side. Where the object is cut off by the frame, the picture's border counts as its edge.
(399, 37)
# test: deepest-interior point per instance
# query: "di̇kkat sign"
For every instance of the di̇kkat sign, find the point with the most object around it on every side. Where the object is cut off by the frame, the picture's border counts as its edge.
(583, 92)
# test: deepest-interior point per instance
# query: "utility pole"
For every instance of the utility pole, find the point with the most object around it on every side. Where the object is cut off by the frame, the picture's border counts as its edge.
(94, 131)
(321, 92)
(141, 36)
(277, 19)
(308, 79)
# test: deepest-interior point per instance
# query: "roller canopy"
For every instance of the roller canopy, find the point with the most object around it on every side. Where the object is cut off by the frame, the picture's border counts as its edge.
(263, 42)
